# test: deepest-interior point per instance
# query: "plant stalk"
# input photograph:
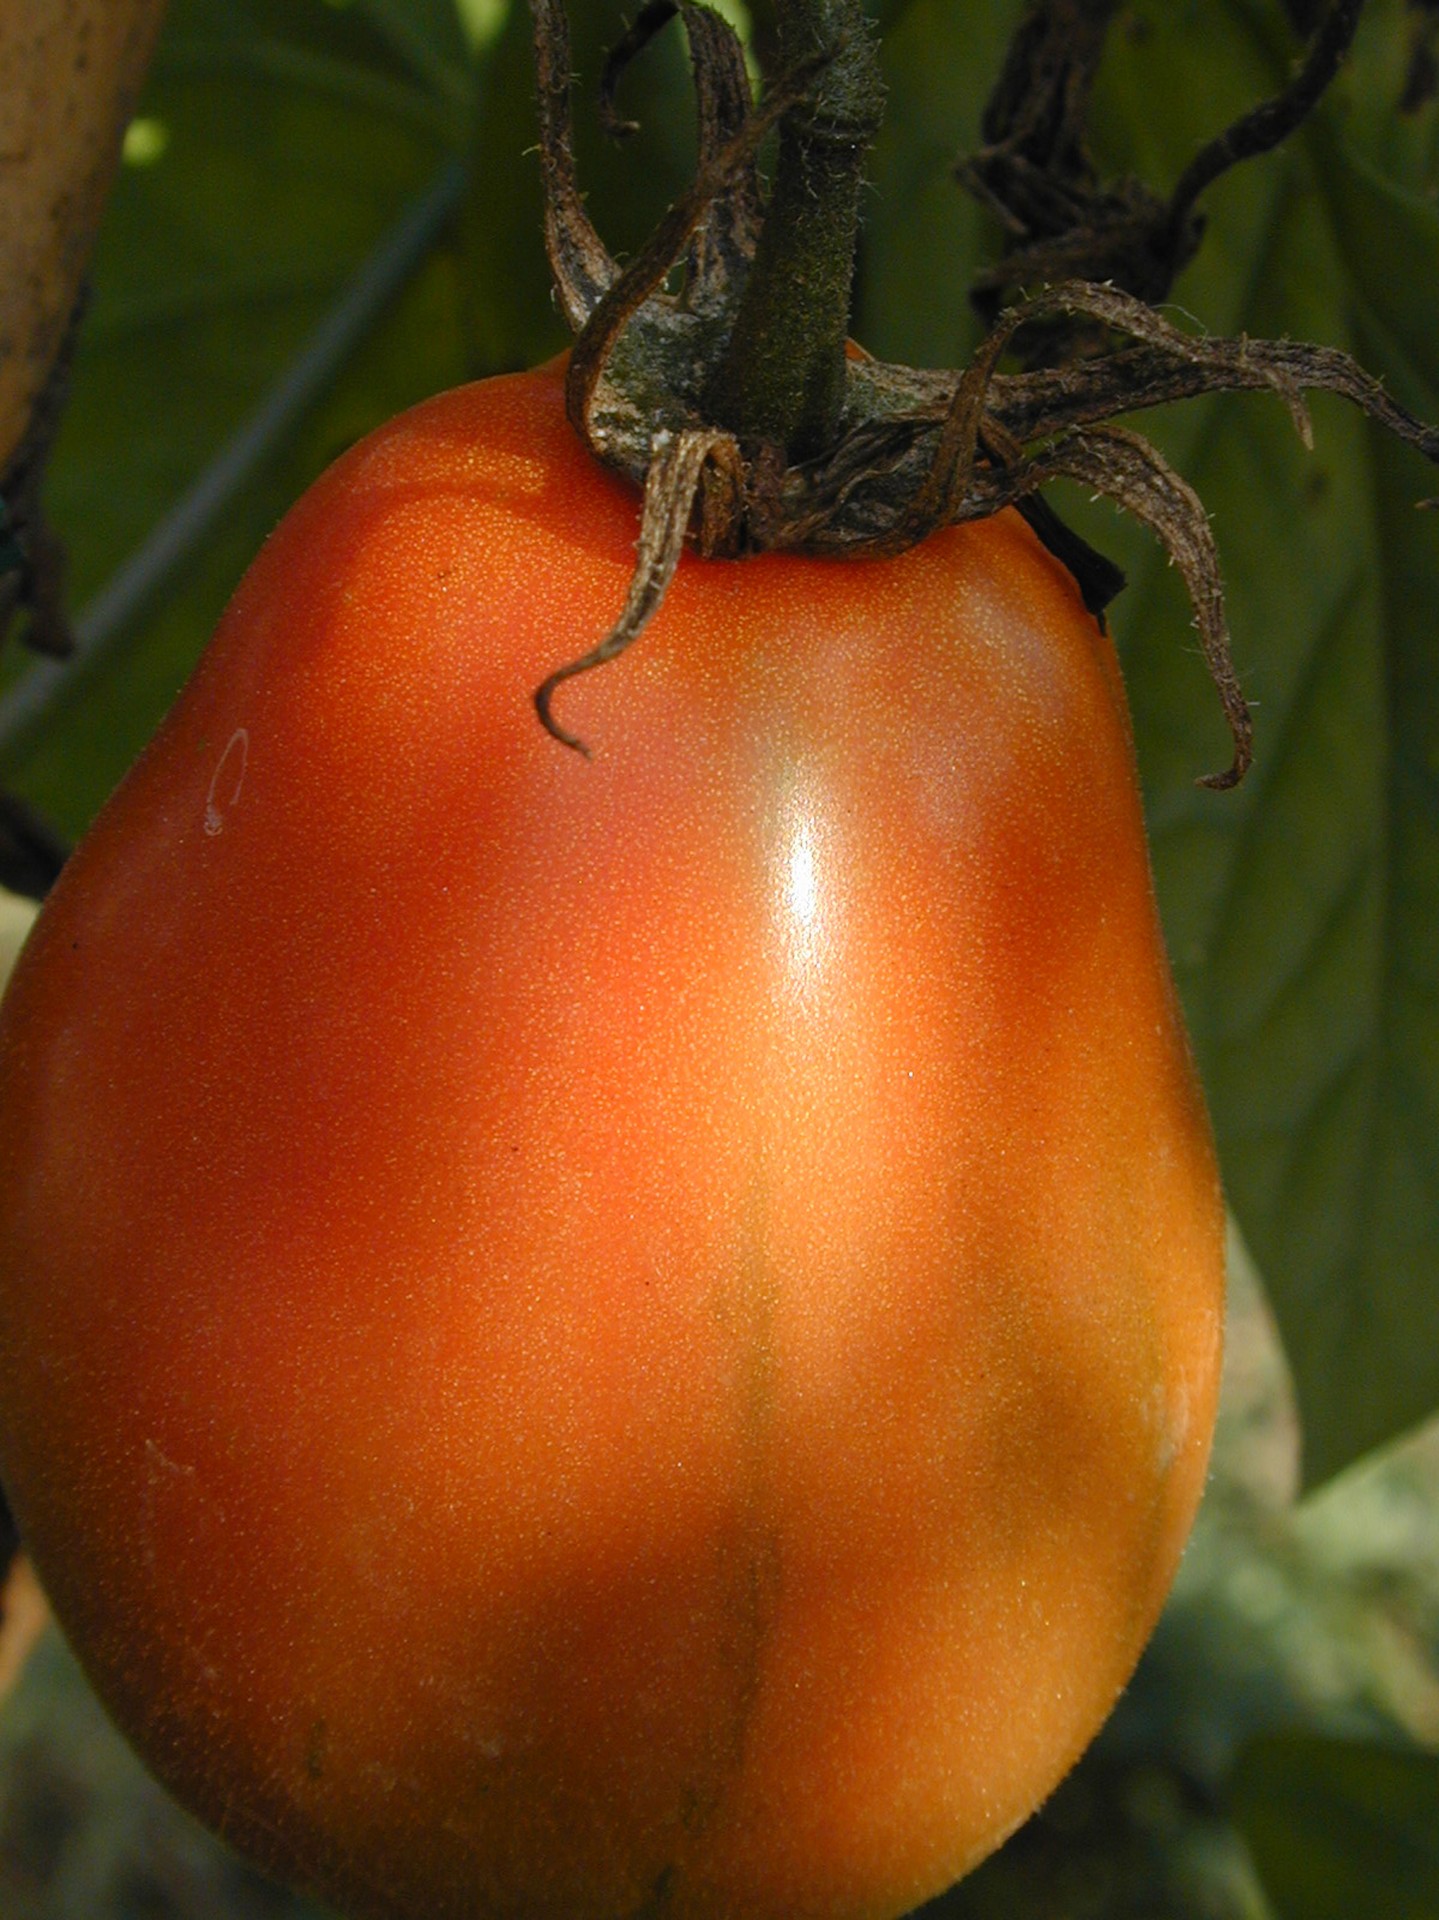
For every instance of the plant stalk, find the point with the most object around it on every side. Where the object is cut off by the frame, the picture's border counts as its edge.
(781, 378)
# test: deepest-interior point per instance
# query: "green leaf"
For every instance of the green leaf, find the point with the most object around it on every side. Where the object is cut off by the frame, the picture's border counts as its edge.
(68, 765)
(1346, 1214)
(1340, 1829)
(508, 313)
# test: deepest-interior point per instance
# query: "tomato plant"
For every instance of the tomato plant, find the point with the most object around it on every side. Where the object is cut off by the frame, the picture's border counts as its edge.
(586, 1339)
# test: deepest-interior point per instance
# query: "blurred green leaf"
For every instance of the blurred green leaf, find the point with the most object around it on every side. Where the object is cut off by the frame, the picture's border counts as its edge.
(1340, 1829)
(1341, 1188)
(509, 316)
(1122, 1838)
(429, 38)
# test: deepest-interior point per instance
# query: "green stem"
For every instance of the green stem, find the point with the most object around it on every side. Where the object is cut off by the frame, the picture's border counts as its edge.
(782, 375)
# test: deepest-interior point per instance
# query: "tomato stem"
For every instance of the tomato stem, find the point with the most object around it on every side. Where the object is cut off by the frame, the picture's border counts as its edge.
(781, 378)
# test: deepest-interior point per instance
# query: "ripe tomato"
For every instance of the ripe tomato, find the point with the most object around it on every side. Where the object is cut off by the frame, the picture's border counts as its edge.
(606, 1339)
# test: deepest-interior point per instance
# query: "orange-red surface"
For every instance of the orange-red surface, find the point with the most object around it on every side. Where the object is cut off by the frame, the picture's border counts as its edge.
(634, 1338)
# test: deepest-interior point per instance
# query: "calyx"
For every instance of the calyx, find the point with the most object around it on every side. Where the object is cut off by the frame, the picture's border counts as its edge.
(912, 449)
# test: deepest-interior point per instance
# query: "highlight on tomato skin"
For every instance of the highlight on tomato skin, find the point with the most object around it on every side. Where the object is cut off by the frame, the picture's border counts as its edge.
(634, 1337)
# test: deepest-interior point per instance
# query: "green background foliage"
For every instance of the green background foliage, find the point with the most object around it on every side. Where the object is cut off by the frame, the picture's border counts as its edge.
(331, 209)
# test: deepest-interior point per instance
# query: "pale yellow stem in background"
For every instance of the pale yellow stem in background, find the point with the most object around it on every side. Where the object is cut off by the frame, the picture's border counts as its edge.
(70, 71)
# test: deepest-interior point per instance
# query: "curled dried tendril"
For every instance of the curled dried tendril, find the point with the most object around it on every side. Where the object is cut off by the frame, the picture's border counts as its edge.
(670, 488)
(916, 450)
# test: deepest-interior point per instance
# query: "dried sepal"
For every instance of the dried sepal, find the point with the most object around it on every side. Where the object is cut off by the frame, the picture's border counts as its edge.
(670, 488)
(641, 358)
(726, 238)
(612, 417)
(32, 555)
(579, 260)
(1128, 470)
(909, 460)
(1134, 378)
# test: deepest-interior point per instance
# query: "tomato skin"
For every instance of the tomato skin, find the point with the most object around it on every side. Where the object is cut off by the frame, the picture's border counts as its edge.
(625, 1338)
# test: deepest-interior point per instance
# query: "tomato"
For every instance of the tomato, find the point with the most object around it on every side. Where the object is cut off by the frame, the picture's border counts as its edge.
(606, 1339)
